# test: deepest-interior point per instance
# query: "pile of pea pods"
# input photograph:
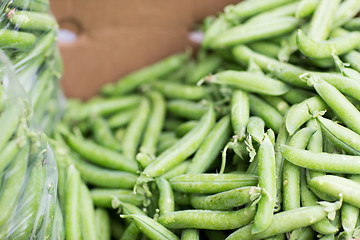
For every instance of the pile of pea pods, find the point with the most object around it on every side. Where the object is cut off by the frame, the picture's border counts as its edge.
(256, 137)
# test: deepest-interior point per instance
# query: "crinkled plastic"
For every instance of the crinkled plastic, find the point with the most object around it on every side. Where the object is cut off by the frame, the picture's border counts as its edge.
(31, 102)
(28, 37)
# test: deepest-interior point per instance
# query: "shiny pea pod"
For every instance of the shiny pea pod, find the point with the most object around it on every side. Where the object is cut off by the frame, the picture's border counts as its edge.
(182, 149)
(323, 162)
(206, 219)
(102, 177)
(151, 228)
(211, 147)
(249, 82)
(251, 32)
(270, 115)
(100, 155)
(300, 113)
(102, 197)
(225, 200)
(16, 39)
(267, 183)
(38, 6)
(133, 80)
(255, 128)
(341, 136)
(33, 21)
(335, 186)
(240, 113)
(166, 196)
(211, 183)
(283, 222)
(324, 49)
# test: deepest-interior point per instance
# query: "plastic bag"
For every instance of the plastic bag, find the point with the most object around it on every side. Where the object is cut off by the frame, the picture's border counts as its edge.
(28, 172)
(28, 38)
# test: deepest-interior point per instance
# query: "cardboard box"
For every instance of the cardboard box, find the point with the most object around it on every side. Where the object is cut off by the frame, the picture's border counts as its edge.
(115, 37)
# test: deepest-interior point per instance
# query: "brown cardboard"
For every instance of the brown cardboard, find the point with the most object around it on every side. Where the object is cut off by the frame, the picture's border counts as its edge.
(116, 37)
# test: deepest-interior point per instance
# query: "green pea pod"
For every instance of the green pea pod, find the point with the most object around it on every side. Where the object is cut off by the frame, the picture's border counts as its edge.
(180, 91)
(211, 146)
(341, 136)
(72, 204)
(186, 109)
(251, 32)
(103, 135)
(323, 162)
(218, 26)
(182, 149)
(225, 200)
(335, 186)
(267, 183)
(206, 219)
(13, 184)
(250, 82)
(177, 170)
(203, 68)
(346, 11)
(325, 49)
(190, 234)
(306, 8)
(353, 57)
(102, 177)
(16, 39)
(255, 128)
(283, 222)
(277, 102)
(100, 155)
(121, 118)
(133, 80)
(185, 127)
(33, 21)
(38, 6)
(102, 197)
(166, 196)
(9, 120)
(211, 183)
(102, 221)
(269, 114)
(282, 11)
(87, 213)
(131, 232)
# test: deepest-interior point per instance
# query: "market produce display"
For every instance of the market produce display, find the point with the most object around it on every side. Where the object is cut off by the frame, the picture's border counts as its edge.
(256, 137)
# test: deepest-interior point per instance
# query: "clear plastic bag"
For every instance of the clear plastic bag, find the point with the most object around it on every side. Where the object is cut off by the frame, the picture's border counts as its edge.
(28, 172)
(28, 37)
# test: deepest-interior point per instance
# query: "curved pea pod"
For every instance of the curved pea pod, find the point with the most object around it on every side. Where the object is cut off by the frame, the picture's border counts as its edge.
(322, 162)
(100, 155)
(33, 21)
(240, 113)
(186, 109)
(102, 177)
(151, 228)
(88, 221)
(180, 91)
(255, 128)
(338, 186)
(325, 49)
(211, 183)
(269, 114)
(349, 216)
(186, 146)
(300, 113)
(251, 32)
(341, 136)
(16, 39)
(211, 146)
(206, 219)
(225, 200)
(102, 197)
(283, 222)
(103, 135)
(250, 82)
(133, 80)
